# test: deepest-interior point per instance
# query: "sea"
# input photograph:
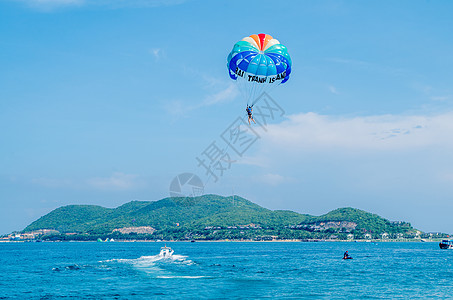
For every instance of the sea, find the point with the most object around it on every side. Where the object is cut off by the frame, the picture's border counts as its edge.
(225, 270)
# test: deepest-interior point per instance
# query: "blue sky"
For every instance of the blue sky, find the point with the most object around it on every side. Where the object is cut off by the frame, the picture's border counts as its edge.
(104, 102)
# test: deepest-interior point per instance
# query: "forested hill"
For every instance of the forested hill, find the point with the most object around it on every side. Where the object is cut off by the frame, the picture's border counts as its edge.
(210, 211)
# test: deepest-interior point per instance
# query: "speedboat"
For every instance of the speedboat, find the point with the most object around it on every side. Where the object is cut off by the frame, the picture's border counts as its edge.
(166, 252)
(446, 244)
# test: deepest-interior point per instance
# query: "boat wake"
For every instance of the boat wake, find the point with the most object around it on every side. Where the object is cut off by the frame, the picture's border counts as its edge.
(145, 260)
(159, 266)
(67, 268)
(157, 262)
(186, 277)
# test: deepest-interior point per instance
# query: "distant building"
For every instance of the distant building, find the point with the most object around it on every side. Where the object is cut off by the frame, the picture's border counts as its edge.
(139, 230)
(31, 235)
(401, 223)
(27, 236)
(251, 225)
(344, 226)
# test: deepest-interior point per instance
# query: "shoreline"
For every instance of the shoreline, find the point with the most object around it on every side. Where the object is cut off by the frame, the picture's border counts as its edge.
(236, 241)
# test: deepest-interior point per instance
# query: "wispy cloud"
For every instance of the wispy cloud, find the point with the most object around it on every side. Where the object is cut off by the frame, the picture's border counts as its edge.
(51, 5)
(219, 92)
(250, 160)
(54, 2)
(158, 53)
(441, 98)
(54, 183)
(136, 3)
(348, 61)
(375, 67)
(214, 90)
(433, 92)
(410, 77)
(447, 177)
(333, 90)
(272, 179)
(117, 181)
(224, 95)
(176, 108)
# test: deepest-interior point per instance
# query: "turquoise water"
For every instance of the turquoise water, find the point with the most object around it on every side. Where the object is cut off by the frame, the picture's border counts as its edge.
(225, 270)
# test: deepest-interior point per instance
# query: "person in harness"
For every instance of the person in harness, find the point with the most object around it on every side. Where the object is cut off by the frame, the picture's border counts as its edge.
(249, 110)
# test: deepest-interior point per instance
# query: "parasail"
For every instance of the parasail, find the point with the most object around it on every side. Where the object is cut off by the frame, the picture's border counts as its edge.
(258, 63)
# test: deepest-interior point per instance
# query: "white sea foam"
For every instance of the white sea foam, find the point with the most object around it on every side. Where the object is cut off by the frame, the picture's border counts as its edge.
(152, 258)
(154, 264)
(189, 277)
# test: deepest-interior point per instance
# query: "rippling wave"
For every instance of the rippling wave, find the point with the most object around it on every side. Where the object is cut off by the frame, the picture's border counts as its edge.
(225, 271)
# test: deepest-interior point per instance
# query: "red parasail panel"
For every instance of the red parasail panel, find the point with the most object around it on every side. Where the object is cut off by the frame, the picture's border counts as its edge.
(262, 37)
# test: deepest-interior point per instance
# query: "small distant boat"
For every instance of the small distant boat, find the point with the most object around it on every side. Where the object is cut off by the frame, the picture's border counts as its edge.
(446, 244)
(166, 252)
(349, 257)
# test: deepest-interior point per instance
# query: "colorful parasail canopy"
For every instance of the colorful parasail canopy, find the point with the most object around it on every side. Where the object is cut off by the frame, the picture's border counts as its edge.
(257, 62)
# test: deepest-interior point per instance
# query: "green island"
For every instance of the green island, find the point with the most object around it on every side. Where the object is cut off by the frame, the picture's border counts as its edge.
(210, 218)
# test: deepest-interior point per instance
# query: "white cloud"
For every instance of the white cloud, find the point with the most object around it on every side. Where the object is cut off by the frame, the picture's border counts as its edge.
(440, 98)
(176, 108)
(49, 5)
(255, 161)
(225, 95)
(158, 53)
(447, 177)
(333, 90)
(55, 2)
(384, 132)
(272, 179)
(348, 61)
(222, 93)
(53, 183)
(135, 3)
(219, 90)
(368, 65)
(117, 181)
(434, 93)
